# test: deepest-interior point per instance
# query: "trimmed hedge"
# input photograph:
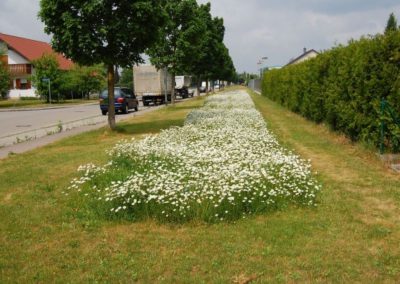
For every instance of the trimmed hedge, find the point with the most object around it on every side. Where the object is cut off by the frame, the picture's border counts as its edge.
(343, 87)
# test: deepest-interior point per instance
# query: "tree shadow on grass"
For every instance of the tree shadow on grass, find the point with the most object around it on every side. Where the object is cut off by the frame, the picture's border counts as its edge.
(154, 126)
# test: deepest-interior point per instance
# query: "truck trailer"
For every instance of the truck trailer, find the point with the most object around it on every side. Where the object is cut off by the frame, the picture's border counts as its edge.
(182, 84)
(152, 85)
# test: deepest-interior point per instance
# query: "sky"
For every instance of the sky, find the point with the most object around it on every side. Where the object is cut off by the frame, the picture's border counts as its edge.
(277, 29)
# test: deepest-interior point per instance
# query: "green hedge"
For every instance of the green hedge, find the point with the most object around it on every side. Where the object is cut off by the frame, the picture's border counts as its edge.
(343, 87)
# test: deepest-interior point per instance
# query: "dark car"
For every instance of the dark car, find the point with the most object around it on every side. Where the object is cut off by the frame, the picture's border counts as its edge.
(125, 100)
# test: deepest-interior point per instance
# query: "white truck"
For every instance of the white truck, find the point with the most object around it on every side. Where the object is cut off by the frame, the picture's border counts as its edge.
(152, 85)
(182, 84)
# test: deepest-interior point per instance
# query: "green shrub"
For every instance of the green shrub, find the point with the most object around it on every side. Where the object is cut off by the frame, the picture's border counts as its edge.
(343, 87)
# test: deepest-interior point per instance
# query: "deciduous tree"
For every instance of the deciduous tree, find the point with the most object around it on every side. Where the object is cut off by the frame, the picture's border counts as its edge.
(112, 32)
(126, 79)
(175, 46)
(391, 24)
(47, 72)
(210, 57)
(85, 79)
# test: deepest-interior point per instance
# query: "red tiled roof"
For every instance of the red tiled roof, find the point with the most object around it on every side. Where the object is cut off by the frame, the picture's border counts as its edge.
(33, 49)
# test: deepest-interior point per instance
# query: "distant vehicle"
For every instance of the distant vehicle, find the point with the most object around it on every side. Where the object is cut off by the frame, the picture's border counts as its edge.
(182, 84)
(203, 87)
(151, 84)
(125, 100)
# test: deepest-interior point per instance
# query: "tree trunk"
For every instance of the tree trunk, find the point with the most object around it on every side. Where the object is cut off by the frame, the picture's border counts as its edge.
(207, 87)
(111, 106)
(198, 86)
(173, 88)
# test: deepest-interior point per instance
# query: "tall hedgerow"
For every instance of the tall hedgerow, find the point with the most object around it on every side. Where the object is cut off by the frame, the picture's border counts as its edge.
(343, 87)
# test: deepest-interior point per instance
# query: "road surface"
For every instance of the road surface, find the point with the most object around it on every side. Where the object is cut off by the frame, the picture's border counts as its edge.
(21, 131)
(19, 126)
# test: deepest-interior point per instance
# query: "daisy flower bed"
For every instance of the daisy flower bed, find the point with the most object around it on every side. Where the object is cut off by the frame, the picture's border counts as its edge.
(223, 164)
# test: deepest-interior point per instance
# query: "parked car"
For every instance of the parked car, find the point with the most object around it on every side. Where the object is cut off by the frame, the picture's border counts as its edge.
(202, 89)
(125, 100)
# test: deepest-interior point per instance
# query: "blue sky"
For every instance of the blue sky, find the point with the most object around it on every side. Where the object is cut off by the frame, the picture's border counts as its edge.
(278, 29)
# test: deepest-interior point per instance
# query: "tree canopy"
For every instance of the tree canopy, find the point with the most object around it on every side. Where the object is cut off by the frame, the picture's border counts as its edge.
(192, 42)
(126, 79)
(85, 79)
(391, 24)
(113, 32)
(47, 67)
(177, 38)
(211, 59)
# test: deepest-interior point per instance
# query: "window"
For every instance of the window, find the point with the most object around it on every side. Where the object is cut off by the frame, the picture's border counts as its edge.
(22, 84)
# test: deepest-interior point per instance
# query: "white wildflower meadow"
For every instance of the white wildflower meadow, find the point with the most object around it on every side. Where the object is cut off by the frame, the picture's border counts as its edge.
(221, 165)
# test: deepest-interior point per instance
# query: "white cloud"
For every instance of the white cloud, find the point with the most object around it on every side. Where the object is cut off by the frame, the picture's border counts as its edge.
(20, 18)
(255, 28)
(281, 29)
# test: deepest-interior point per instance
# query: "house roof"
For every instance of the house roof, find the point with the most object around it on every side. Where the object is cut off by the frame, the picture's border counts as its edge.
(33, 49)
(302, 55)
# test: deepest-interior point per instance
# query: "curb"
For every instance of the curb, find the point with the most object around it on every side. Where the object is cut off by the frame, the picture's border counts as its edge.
(43, 108)
(16, 138)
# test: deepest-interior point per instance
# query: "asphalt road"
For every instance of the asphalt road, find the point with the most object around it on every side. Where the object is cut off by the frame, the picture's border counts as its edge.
(16, 126)
(14, 122)
(21, 131)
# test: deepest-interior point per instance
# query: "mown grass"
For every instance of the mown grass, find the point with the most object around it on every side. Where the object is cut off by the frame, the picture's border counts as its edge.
(11, 103)
(351, 237)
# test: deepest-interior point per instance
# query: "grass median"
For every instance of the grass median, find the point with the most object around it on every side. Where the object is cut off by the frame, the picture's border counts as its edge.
(352, 236)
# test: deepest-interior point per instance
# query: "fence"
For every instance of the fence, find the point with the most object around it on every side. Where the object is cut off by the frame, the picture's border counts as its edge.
(255, 85)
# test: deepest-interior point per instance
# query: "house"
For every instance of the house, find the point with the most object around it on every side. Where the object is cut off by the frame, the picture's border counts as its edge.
(19, 54)
(307, 54)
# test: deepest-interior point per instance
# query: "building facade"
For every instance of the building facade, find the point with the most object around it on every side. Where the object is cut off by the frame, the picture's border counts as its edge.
(19, 55)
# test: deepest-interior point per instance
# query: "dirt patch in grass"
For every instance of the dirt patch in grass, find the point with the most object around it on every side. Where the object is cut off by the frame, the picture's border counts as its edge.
(381, 212)
(7, 197)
